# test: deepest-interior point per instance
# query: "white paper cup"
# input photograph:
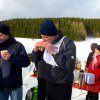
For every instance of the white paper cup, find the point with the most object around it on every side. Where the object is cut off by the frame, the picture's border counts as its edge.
(4, 52)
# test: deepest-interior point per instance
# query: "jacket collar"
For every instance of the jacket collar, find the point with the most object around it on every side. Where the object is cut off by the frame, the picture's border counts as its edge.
(59, 37)
(10, 41)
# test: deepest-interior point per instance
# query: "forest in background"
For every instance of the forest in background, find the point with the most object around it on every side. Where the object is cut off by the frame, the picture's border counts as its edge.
(74, 28)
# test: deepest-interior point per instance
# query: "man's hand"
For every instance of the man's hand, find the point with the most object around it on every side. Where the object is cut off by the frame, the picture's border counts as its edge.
(38, 46)
(5, 55)
(50, 48)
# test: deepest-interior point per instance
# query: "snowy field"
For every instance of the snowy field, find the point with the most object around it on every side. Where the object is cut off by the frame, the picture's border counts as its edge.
(82, 50)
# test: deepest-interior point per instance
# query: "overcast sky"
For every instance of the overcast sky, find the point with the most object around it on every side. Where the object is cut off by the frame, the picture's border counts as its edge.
(10, 9)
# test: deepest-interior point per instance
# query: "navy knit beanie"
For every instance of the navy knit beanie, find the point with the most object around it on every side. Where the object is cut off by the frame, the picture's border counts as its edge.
(4, 29)
(48, 28)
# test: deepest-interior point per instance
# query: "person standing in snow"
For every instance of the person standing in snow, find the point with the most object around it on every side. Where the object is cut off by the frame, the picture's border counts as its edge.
(13, 57)
(94, 68)
(59, 61)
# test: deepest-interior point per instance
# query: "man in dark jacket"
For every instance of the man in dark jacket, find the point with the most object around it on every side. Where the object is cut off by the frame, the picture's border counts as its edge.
(12, 58)
(59, 56)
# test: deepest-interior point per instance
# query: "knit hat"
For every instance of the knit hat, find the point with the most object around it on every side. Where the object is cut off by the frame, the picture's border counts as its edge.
(48, 28)
(98, 47)
(4, 29)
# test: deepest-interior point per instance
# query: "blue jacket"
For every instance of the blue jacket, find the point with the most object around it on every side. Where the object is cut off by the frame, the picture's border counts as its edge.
(11, 70)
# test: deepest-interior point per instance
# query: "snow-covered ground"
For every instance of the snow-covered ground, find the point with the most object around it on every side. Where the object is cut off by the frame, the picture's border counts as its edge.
(82, 51)
(28, 81)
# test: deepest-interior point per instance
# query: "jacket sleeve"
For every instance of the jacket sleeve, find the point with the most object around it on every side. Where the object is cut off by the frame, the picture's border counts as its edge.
(19, 56)
(66, 57)
(37, 57)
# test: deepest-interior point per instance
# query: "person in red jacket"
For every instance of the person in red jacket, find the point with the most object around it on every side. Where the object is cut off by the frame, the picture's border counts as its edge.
(94, 67)
(89, 58)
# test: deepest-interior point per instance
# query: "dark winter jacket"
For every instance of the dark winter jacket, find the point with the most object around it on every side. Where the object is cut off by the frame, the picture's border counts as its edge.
(11, 70)
(62, 73)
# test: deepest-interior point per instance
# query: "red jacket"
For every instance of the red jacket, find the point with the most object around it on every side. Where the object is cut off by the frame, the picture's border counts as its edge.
(94, 67)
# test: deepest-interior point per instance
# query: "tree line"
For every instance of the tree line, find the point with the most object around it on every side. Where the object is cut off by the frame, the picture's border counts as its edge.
(74, 28)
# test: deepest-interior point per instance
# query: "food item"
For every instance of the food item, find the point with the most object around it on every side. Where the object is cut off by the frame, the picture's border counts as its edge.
(41, 48)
